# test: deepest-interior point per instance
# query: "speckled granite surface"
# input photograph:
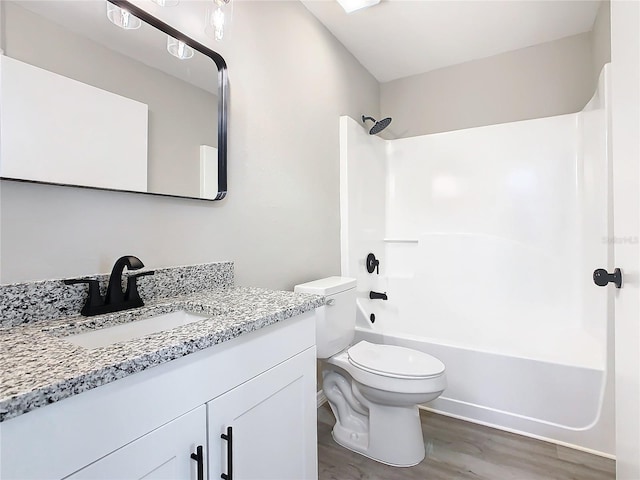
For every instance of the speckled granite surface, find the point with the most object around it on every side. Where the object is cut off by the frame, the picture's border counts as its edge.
(36, 301)
(39, 367)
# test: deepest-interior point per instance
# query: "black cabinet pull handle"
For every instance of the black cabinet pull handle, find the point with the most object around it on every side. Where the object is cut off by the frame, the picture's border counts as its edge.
(199, 457)
(601, 277)
(229, 438)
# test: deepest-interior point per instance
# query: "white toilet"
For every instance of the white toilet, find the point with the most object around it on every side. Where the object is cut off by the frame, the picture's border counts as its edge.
(373, 390)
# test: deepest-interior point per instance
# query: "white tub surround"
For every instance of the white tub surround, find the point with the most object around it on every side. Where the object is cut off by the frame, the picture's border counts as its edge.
(488, 238)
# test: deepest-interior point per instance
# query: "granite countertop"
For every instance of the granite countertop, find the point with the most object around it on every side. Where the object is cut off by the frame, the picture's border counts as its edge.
(39, 367)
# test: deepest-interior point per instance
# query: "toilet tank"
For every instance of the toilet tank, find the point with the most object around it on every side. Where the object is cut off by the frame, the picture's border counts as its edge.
(335, 321)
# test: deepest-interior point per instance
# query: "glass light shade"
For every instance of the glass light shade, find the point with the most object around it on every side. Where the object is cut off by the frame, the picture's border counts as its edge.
(122, 18)
(350, 6)
(179, 49)
(166, 3)
(218, 18)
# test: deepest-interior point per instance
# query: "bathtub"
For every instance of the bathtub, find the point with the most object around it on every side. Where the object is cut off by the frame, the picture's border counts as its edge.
(549, 399)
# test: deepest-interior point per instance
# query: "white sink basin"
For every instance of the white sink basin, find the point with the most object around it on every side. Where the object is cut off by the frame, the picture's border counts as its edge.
(132, 330)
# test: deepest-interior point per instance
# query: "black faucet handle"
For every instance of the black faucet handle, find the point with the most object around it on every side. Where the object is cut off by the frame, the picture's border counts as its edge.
(131, 294)
(373, 264)
(94, 299)
(141, 274)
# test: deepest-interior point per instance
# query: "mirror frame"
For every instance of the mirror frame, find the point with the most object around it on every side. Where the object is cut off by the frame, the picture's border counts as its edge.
(223, 89)
(223, 93)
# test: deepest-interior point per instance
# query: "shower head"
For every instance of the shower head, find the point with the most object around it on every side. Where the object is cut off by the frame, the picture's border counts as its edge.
(378, 126)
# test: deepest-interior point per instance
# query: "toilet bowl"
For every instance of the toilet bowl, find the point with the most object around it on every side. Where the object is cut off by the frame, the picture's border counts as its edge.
(373, 390)
(377, 389)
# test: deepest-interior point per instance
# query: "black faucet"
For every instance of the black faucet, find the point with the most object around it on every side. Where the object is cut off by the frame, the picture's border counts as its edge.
(115, 299)
(115, 295)
(378, 296)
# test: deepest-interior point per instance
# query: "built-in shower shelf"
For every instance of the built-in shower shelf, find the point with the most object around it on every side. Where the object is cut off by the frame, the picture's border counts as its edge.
(400, 240)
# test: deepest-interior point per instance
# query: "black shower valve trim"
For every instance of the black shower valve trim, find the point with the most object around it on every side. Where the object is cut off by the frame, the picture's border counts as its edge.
(373, 264)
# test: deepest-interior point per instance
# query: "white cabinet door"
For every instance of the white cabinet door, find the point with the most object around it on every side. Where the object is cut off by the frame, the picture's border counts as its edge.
(163, 454)
(272, 418)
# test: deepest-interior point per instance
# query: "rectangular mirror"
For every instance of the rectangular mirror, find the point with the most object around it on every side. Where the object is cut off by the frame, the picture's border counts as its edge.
(89, 103)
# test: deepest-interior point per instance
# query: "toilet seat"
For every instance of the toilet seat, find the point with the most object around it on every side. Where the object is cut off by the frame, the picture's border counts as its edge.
(394, 361)
(386, 381)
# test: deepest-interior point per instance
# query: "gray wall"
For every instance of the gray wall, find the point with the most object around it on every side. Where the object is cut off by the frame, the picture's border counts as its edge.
(601, 38)
(290, 82)
(181, 116)
(544, 80)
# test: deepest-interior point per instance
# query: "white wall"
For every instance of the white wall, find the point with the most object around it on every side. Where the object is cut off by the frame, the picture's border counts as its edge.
(544, 80)
(290, 82)
(59, 130)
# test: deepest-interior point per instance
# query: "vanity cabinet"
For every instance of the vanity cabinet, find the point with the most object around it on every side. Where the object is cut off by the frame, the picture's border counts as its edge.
(148, 424)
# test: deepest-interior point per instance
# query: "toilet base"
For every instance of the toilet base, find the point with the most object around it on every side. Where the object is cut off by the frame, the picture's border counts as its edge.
(398, 443)
(388, 434)
(365, 453)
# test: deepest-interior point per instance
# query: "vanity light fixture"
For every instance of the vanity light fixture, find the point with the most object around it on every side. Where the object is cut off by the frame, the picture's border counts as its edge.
(122, 18)
(353, 5)
(178, 48)
(218, 16)
(166, 3)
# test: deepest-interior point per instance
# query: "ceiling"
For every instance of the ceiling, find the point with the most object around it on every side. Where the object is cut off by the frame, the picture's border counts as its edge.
(399, 38)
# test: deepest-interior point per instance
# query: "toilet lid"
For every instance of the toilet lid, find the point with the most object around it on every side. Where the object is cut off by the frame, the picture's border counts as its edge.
(394, 361)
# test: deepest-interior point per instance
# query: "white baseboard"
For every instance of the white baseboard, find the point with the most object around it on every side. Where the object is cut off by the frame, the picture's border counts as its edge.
(322, 399)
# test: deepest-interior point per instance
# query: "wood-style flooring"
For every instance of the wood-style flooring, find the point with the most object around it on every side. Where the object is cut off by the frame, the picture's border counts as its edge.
(461, 450)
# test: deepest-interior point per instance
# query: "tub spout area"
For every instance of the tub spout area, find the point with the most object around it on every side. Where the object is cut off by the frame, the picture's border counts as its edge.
(378, 296)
